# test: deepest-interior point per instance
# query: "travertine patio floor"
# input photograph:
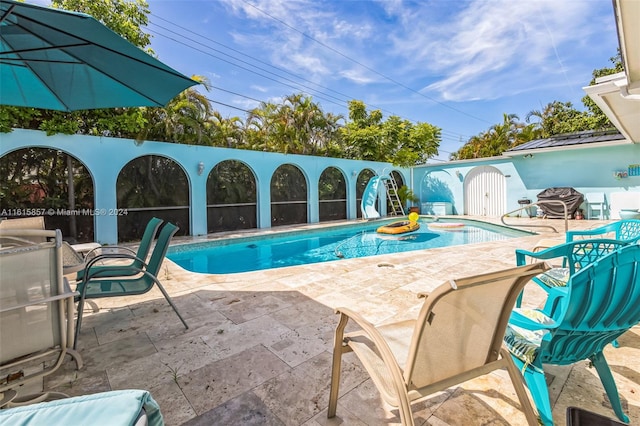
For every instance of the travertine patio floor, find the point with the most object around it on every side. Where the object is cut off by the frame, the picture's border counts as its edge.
(258, 350)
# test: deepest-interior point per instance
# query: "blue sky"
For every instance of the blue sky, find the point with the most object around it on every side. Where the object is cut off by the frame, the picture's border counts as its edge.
(456, 64)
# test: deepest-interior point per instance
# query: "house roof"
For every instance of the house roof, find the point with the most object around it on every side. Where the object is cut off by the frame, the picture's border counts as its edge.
(618, 95)
(570, 139)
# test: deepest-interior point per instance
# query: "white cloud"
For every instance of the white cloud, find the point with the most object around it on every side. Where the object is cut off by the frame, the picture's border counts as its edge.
(259, 88)
(452, 51)
(306, 36)
(473, 52)
(358, 76)
(244, 103)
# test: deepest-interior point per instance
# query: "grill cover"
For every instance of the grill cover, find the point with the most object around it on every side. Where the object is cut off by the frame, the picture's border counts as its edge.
(569, 196)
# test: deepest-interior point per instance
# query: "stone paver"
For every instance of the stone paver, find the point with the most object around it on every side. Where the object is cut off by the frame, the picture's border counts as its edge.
(259, 346)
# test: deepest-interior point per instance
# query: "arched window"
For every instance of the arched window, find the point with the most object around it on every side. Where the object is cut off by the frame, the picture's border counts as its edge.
(288, 196)
(51, 182)
(332, 195)
(151, 186)
(231, 197)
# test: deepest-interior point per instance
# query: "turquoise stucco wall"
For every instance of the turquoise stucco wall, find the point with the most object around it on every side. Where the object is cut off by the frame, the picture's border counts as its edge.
(104, 158)
(587, 169)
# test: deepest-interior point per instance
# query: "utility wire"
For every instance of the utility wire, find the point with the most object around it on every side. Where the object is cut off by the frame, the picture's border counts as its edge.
(365, 66)
(247, 69)
(235, 93)
(445, 134)
(347, 97)
(227, 105)
(249, 56)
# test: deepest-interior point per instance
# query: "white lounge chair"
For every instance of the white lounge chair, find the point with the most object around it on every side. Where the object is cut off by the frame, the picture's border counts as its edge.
(36, 308)
(37, 222)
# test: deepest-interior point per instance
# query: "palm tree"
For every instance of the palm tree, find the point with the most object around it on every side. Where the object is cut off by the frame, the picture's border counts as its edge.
(527, 133)
(226, 132)
(503, 135)
(184, 119)
(258, 128)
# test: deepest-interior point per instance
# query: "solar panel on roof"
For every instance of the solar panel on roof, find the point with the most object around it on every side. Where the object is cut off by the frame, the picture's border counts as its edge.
(568, 139)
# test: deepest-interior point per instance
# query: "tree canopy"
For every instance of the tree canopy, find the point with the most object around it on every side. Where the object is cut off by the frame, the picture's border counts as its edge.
(297, 124)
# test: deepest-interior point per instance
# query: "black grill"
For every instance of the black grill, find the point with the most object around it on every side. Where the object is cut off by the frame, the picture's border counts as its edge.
(570, 196)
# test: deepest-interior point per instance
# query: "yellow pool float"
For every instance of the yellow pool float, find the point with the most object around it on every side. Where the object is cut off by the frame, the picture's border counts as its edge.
(399, 227)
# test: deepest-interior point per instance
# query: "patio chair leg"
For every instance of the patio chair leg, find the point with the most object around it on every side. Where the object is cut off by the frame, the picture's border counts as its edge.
(538, 387)
(602, 367)
(166, 296)
(336, 366)
(78, 321)
(77, 357)
(404, 408)
(516, 379)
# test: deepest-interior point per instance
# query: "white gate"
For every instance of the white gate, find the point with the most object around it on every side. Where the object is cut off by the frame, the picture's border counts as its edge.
(485, 192)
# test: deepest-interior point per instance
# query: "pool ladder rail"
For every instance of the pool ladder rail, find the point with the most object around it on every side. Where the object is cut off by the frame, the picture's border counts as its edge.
(527, 206)
(391, 187)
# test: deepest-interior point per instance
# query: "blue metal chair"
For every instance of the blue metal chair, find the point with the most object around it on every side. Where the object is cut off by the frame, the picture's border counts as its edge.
(100, 283)
(119, 270)
(627, 230)
(602, 302)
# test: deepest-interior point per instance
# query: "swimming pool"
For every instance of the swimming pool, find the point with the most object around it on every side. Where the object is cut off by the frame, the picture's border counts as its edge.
(327, 244)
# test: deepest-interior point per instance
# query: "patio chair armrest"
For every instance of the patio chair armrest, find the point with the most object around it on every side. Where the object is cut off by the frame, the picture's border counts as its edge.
(92, 254)
(562, 250)
(590, 233)
(359, 319)
(68, 294)
(612, 227)
(371, 332)
(11, 241)
(381, 345)
(96, 274)
(519, 319)
(575, 254)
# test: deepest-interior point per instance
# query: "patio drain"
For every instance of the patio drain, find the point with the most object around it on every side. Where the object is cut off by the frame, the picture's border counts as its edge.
(386, 265)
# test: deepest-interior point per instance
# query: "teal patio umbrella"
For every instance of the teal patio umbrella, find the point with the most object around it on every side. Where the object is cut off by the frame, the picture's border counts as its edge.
(67, 61)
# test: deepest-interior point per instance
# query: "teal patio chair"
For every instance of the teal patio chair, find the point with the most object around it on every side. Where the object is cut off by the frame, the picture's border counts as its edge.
(119, 270)
(94, 285)
(627, 230)
(601, 303)
(568, 259)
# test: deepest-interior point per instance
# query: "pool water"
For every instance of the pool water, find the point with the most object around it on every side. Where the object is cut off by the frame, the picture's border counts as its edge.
(327, 244)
